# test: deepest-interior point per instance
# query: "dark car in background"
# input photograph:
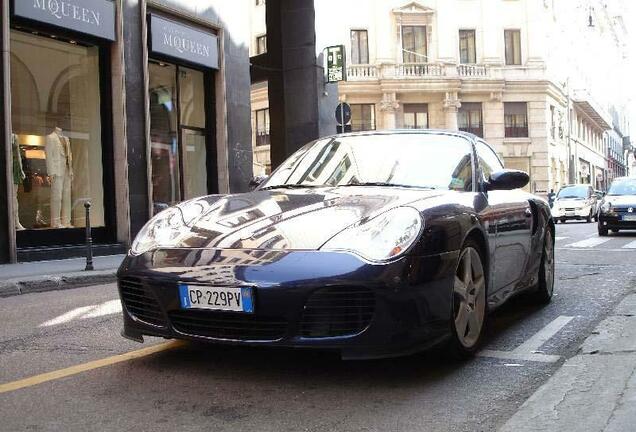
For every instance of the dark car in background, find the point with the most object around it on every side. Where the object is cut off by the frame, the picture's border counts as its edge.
(372, 244)
(618, 208)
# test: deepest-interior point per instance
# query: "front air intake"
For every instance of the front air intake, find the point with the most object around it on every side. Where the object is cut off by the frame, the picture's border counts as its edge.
(337, 311)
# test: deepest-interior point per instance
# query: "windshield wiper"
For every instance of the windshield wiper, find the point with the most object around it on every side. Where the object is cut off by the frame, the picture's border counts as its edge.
(572, 196)
(387, 184)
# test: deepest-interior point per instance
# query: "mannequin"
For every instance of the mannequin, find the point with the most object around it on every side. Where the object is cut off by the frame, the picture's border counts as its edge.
(59, 167)
(18, 177)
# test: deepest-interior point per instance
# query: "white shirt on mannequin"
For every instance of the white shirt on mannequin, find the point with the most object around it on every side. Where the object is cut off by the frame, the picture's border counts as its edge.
(59, 167)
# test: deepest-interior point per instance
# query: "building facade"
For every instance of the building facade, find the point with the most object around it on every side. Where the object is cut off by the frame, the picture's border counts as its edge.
(502, 69)
(130, 106)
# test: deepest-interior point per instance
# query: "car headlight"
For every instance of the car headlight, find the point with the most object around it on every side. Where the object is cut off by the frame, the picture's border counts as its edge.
(381, 238)
(606, 207)
(163, 230)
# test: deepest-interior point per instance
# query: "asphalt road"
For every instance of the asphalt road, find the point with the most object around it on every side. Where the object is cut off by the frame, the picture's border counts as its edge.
(212, 388)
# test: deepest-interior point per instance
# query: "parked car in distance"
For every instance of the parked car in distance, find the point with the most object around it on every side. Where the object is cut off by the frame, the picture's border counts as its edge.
(371, 244)
(575, 202)
(618, 207)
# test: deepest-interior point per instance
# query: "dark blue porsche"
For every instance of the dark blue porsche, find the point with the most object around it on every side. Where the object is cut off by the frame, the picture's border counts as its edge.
(373, 244)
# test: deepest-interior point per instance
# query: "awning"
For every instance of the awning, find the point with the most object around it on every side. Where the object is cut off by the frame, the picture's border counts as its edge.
(583, 102)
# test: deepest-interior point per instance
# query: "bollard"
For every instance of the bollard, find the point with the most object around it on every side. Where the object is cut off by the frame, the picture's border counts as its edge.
(89, 238)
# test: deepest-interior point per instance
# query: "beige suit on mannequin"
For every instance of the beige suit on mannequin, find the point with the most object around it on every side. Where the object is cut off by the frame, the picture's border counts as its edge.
(59, 166)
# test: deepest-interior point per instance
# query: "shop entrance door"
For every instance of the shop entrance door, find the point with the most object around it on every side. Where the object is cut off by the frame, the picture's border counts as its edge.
(179, 134)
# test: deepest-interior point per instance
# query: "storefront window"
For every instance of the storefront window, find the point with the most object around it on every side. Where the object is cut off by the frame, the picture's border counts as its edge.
(177, 134)
(56, 132)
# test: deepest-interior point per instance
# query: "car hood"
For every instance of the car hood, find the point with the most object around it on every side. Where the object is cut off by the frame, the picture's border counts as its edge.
(621, 200)
(571, 202)
(288, 219)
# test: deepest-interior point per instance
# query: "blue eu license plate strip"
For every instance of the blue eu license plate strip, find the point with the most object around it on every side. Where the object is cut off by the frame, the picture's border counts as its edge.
(231, 299)
(184, 296)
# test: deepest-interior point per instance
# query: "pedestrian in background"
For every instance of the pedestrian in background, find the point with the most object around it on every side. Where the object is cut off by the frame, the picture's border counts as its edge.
(551, 196)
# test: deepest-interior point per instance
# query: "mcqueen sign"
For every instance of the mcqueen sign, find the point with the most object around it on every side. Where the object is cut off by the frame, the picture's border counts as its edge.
(93, 17)
(183, 42)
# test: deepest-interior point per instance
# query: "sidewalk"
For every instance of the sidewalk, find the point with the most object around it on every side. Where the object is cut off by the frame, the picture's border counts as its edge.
(41, 276)
(593, 391)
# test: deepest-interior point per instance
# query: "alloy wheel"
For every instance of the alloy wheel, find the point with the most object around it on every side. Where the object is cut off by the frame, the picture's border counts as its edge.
(469, 294)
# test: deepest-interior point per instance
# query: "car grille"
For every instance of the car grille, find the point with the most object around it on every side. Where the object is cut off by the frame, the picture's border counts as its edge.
(139, 303)
(622, 210)
(337, 311)
(227, 325)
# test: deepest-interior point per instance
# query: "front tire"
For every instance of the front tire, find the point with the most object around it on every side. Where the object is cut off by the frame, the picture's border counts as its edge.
(602, 230)
(545, 287)
(469, 307)
(588, 219)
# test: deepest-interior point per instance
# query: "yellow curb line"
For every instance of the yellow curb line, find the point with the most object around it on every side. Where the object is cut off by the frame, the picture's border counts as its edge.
(96, 364)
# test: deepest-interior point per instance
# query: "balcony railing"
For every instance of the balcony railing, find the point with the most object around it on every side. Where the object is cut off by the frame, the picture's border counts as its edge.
(369, 72)
(472, 70)
(405, 70)
(362, 72)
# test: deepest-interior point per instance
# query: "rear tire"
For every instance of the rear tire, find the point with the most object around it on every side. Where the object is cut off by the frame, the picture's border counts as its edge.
(602, 230)
(545, 287)
(469, 306)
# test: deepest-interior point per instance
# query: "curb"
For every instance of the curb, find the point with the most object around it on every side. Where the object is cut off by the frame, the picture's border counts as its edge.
(18, 286)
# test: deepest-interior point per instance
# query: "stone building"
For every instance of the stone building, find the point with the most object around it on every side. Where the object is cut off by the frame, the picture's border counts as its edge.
(505, 70)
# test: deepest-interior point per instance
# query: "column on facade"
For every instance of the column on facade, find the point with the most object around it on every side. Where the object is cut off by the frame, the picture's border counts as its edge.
(389, 107)
(451, 106)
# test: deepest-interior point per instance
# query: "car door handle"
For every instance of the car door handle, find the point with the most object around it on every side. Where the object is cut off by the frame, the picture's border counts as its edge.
(528, 212)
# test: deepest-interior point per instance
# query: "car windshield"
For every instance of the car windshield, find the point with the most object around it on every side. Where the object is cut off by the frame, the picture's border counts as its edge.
(623, 187)
(432, 161)
(573, 192)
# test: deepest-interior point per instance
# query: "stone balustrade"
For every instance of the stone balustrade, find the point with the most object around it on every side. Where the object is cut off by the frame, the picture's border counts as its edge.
(472, 70)
(375, 72)
(362, 72)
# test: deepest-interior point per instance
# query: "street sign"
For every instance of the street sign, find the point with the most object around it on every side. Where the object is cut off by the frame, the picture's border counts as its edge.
(343, 110)
(336, 64)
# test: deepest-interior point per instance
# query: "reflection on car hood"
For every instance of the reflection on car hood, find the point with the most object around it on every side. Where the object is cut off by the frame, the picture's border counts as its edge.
(290, 219)
(621, 200)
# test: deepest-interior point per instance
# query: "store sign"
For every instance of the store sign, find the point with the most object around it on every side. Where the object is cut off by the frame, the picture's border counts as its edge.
(92, 17)
(336, 64)
(184, 42)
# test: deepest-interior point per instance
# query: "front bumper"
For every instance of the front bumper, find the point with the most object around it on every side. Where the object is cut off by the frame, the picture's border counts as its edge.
(571, 213)
(404, 305)
(617, 220)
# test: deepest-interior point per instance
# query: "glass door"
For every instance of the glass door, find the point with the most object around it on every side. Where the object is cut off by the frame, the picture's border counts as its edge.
(194, 163)
(177, 134)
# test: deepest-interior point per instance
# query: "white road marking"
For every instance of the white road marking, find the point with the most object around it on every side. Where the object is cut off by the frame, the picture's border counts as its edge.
(588, 243)
(560, 238)
(542, 336)
(107, 308)
(631, 245)
(529, 350)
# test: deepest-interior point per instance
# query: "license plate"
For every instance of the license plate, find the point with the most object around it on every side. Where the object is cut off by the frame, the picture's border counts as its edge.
(216, 298)
(570, 213)
(629, 218)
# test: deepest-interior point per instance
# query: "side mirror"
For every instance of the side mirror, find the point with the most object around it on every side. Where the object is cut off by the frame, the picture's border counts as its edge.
(507, 179)
(257, 181)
